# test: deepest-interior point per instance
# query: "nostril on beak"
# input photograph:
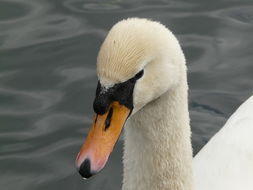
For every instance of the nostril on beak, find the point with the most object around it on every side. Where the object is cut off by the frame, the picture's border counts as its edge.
(85, 170)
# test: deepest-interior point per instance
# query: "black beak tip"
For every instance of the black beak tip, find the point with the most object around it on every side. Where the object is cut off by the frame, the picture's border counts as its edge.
(84, 169)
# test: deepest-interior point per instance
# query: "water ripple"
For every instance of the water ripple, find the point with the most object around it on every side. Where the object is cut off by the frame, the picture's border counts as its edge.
(13, 101)
(42, 27)
(118, 6)
(12, 11)
(48, 78)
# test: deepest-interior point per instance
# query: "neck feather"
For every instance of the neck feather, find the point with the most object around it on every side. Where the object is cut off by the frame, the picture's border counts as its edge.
(157, 151)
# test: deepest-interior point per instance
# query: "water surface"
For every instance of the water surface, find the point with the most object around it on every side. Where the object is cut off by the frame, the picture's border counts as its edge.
(47, 79)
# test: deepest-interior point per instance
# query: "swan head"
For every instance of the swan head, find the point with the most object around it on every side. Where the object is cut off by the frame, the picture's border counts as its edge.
(138, 62)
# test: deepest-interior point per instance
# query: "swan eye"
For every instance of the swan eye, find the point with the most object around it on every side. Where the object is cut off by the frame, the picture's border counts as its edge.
(139, 75)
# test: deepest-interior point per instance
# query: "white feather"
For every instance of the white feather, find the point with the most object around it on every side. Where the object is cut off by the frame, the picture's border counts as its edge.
(226, 161)
(157, 152)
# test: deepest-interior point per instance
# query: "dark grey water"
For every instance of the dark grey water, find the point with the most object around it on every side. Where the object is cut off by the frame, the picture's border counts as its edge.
(48, 53)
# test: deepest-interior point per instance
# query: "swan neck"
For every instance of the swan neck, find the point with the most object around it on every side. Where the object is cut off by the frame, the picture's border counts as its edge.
(157, 150)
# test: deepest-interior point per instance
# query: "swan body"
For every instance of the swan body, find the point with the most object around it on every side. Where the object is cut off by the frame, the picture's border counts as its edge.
(157, 148)
(225, 162)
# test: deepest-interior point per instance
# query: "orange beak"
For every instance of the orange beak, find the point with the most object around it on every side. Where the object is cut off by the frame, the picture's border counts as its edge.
(101, 139)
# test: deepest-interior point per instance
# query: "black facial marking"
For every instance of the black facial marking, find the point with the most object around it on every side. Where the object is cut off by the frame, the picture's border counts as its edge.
(139, 75)
(121, 92)
(102, 100)
(108, 118)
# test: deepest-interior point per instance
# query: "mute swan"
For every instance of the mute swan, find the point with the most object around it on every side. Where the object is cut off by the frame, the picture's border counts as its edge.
(143, 85)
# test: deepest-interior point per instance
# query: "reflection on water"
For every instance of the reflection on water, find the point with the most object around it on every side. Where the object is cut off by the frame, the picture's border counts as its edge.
(47, 79)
